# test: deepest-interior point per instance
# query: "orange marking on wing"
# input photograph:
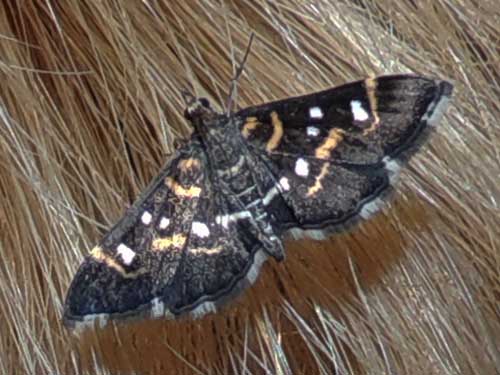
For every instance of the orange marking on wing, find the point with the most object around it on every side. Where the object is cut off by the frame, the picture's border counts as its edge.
(335, 136)
(275, 139)
(98, 254)
(317, 184)
(162, 244)
(205, 250)
(371, 86)
(180, 191)
(250, 125)
(188, 164)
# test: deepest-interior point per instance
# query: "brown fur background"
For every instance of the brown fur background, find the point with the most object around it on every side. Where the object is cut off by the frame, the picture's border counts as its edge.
(90, 106)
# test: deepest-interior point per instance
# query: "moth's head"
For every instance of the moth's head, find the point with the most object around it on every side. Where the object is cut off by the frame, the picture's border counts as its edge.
(197, 108)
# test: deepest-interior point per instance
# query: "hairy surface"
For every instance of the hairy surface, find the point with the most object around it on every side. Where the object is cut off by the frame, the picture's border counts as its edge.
(90, 106)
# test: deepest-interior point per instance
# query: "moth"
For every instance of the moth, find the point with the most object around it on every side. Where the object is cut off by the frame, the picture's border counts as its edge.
(309, 165)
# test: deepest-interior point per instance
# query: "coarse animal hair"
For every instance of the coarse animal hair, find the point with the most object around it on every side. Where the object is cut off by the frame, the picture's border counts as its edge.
(90, 106)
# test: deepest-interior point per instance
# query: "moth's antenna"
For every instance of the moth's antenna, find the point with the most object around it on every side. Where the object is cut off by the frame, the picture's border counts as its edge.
(234, 81)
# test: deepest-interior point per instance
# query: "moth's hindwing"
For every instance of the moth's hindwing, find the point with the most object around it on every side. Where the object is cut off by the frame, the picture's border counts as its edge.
(175, 251)
(339, 149)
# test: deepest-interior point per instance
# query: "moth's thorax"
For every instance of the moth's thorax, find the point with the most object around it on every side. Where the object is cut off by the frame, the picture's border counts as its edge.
(239, 174)
(222, 140)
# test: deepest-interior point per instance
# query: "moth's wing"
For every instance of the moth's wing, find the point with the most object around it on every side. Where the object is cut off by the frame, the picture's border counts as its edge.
(357, 123)
(170, 254)
(119, 276)
(325, 195)
(339, 148)
(221, 258)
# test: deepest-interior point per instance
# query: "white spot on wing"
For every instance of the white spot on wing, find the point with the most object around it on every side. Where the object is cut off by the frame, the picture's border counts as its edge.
(222, 220)
(284, 184)
(358, 112)
(126, 253)
(302, 167)
(164, 222)
(146, 218)
(315, 112)
(200, 229)
(312, 131)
